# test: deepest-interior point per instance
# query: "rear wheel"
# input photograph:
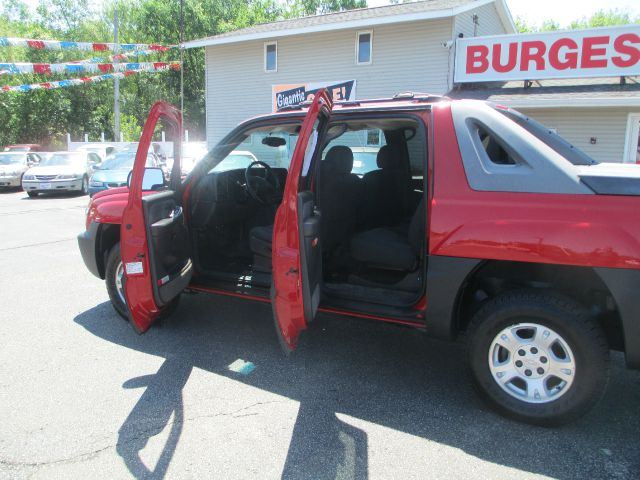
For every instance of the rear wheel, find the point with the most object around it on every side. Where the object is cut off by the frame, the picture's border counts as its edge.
(538, 357)
(114, 278)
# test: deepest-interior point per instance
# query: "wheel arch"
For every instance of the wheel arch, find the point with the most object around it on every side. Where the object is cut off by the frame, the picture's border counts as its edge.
(108, 235)
(586, 285)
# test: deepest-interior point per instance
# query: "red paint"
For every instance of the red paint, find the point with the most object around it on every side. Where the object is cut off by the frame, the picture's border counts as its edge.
(134, 246)
(532, 52)
(589, 51)
(512, 58)
(289, 307)
(631, 54)
(570, 57)
(587, 230)
(228, 293)
(477, 61)
(409, 323)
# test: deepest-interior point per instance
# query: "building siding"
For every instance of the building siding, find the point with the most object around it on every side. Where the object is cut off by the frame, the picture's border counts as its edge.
(409, 56)
(578, 125)
(489, 22)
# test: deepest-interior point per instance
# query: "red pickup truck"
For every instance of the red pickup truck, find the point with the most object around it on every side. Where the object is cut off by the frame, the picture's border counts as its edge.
(447, 216)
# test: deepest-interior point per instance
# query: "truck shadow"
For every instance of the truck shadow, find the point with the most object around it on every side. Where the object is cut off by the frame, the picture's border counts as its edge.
(381, 374)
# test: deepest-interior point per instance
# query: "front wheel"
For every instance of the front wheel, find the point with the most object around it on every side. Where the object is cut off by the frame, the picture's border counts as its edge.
(84, 189)
(114, 278)
(538, 357)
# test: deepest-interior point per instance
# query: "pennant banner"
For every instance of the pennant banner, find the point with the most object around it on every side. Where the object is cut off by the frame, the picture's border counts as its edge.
(84, 67)
(86, 46)
(85, 80)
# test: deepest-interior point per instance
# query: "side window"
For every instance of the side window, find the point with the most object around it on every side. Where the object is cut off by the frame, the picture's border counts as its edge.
(271, 57)
(364, 43)
(365, 143)
(494, 148)
(417, 157)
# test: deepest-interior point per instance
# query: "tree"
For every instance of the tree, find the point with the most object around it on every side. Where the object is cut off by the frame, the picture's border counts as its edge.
(602, 18)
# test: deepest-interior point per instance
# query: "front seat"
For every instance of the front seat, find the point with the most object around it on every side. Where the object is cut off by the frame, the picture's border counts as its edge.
(395, 248)
(260, 239)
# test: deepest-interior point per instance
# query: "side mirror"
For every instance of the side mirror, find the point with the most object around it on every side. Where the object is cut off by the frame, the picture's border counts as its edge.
(153, 179)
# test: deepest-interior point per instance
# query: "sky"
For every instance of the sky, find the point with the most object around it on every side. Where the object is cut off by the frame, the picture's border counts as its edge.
(561, 11)
(534, 12)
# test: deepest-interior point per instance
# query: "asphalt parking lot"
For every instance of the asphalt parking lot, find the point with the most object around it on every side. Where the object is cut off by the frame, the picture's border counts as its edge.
(83, 396)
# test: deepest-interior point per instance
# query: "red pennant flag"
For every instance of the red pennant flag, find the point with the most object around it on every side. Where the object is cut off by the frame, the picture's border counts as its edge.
(46, 85)
(159, 65)
(129, 73)
(105, 67)
(100, 47)
(42, 68)
(85, 79)
(158, 48)
(5, 88)
(37, 44)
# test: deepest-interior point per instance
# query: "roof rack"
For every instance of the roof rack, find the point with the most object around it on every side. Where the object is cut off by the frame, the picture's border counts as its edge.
(415, 96)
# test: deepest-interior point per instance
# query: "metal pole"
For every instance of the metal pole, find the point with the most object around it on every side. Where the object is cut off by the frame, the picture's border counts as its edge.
(116, 86)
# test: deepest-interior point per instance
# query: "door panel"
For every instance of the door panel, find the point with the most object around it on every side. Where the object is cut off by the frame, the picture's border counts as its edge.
(154, 237)
(296, 251)
(169, 256)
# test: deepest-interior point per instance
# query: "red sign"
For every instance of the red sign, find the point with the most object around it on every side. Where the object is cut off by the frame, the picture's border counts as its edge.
(596, 52)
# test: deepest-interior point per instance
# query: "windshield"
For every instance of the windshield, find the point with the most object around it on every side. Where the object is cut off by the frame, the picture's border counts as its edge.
(9, 158)
(63, 159)
(123, 161)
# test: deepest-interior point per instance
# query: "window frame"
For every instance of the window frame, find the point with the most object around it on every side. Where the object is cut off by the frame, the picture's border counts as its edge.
(266, 45)
(358, 35)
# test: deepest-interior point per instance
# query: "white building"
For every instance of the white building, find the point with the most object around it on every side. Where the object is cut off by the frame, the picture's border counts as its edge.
(379, 52)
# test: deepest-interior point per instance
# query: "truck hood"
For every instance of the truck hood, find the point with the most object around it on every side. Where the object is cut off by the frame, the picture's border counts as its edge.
(611, 178)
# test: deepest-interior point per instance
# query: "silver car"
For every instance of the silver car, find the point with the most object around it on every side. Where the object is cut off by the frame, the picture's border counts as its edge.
(61, 172)
(13, 165)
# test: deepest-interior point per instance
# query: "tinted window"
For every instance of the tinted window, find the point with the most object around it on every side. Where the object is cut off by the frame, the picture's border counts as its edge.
(494, 148)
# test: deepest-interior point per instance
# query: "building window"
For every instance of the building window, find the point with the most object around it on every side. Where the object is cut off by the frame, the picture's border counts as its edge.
(364, 44)
(271, 57)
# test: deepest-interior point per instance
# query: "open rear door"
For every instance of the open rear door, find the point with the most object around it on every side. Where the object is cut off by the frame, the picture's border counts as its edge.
(154, 242)
(297, 253)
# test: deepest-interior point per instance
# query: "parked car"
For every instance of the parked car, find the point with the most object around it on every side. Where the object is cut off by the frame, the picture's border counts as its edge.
(479, 220)
(61, 172)
(114, 171)
(102, 150)
(13, 165)
(23, 147)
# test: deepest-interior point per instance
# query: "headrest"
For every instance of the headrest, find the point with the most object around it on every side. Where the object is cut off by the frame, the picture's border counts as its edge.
(340, 158)
(385, 157)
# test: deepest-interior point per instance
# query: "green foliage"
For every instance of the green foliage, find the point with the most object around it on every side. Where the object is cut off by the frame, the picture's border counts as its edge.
(47, 116)
(602, 18)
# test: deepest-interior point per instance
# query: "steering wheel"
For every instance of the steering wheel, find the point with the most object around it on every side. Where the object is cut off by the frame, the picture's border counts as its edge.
(264, 190)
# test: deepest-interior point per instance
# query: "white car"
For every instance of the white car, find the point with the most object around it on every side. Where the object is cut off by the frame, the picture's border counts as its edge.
(61, 172)
(13, 165)
(102, 149)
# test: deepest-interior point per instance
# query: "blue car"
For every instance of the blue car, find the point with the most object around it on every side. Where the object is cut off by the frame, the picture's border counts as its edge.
(114, 171)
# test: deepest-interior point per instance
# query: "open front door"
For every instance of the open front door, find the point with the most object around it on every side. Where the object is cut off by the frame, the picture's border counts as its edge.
(297, 253)
(154, 242)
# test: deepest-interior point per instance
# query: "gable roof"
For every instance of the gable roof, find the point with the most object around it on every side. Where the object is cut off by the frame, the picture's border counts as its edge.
(362, 17)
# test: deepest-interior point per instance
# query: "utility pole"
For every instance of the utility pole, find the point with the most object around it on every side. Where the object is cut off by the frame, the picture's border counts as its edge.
(116, 86)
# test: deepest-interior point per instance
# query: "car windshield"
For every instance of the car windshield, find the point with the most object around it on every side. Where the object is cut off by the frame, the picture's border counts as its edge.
(12, 158)
(124, 161)
(235, 160)
(63, 159)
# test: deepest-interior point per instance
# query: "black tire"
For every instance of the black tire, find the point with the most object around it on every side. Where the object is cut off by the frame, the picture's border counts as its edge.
(113, 262)
(562, 315)
(84, 190)
(32, 194)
